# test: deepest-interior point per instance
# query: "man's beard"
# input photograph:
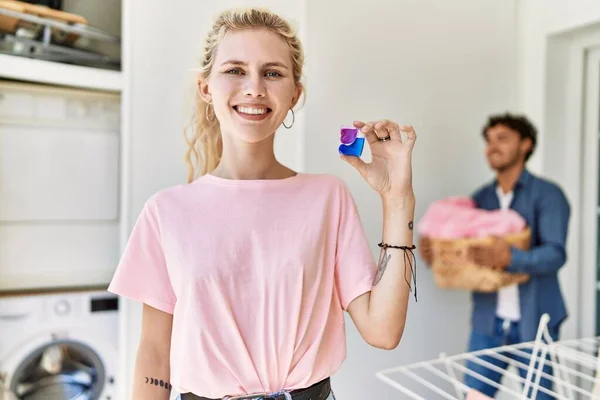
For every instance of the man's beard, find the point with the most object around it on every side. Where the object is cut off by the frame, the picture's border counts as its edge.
(515, 160)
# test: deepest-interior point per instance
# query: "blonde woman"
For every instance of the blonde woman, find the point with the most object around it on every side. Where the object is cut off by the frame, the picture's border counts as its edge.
(245, 271)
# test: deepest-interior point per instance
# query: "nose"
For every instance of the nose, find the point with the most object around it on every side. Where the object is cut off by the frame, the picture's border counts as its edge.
(255, 87)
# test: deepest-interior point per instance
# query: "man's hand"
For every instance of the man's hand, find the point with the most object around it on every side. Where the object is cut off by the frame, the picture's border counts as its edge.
(495, 255)
(425, 250)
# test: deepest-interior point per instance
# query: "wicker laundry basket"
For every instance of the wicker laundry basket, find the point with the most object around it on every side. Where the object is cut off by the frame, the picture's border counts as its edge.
(453, 269)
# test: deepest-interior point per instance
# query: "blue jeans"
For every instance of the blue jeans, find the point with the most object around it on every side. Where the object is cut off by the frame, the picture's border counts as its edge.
(502, 337)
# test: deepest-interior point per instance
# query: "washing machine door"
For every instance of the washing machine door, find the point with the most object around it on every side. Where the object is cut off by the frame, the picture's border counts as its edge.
(59, 370)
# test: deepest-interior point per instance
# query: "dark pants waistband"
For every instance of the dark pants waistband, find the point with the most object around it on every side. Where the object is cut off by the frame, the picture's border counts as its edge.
(318, 391)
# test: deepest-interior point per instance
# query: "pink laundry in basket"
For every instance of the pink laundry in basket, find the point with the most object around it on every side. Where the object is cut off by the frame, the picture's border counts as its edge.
(458, 217)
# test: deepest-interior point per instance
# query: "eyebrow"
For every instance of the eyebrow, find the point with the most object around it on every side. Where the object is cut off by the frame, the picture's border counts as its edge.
(269, 64)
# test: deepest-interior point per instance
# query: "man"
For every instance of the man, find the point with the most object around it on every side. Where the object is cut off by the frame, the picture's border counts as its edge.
(513, 313)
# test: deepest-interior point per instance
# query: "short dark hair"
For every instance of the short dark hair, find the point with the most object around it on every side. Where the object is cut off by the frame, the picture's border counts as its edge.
(518, 123)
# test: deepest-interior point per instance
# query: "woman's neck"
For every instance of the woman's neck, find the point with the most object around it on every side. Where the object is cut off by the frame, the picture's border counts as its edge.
(251, 161)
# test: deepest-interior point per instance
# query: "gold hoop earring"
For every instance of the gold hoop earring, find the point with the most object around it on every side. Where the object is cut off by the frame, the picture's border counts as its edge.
(293, 119)
(214, 115)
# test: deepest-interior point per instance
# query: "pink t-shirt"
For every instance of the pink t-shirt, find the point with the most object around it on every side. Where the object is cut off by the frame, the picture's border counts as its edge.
(256, 273)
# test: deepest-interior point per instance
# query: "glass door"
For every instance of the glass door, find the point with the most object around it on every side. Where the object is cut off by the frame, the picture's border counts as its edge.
(590, 278)
(592, 121)
(588, 209)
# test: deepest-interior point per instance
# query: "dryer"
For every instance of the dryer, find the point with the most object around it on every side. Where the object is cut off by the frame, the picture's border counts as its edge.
(59, 346)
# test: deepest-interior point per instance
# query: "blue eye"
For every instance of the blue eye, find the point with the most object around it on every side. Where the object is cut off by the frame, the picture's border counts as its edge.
(273, 74)
(233, 71)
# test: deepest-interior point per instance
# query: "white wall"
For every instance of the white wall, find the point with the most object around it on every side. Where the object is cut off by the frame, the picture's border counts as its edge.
(538, 21)
(442, 71)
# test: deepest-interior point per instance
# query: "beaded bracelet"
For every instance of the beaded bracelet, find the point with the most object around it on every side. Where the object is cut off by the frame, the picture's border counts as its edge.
(389, 246)
(406, 249)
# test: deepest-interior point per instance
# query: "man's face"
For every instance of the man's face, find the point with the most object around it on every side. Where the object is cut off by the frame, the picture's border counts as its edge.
(505, 148)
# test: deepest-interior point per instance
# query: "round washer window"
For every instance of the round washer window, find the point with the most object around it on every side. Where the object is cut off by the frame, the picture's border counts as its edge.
(60, 370)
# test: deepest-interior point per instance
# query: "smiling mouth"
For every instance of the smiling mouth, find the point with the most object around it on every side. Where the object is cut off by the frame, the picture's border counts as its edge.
(252, 110)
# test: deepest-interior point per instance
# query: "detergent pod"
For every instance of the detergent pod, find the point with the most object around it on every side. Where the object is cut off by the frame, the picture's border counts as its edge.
(352, 143)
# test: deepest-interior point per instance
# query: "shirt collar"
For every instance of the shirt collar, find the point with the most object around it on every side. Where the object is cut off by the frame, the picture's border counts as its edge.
(523, 180)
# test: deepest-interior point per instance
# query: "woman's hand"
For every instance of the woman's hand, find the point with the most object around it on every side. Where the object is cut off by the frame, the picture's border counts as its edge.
(390, 171)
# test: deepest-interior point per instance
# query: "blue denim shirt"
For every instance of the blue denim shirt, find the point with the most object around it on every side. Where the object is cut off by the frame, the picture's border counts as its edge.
(547, 212)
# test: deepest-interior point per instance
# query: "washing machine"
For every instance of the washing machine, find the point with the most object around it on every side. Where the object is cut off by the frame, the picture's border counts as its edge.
(59, 346)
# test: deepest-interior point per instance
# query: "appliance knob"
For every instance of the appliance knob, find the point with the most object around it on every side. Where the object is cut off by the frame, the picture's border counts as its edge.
(62, 308)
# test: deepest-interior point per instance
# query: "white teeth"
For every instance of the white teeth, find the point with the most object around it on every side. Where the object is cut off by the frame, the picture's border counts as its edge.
(250, 110)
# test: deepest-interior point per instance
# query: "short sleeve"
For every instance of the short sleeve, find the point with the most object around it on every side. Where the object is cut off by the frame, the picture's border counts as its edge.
(355, 266)
(142, 271)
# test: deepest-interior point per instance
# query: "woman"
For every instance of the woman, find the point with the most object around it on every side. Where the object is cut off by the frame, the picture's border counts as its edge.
(245, 271)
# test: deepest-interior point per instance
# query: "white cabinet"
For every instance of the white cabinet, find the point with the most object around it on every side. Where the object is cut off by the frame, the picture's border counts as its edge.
(58, 174)
(61, 167)
(59, 186)
(59, 155)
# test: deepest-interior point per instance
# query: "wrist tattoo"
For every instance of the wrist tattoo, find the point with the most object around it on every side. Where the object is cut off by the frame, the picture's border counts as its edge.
(410, 225)
(384, 258)
(158, 382)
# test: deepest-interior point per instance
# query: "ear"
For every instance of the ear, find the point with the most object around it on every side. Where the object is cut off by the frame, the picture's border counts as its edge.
(297, 95)
(526, 145)
(204, 91)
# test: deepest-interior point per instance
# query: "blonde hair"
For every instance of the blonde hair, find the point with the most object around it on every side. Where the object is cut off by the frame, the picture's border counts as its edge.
(205, 145)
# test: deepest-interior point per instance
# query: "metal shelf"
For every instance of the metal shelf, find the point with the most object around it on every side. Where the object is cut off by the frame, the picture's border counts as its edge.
(79, 29)
(39, 45)
(48, 72)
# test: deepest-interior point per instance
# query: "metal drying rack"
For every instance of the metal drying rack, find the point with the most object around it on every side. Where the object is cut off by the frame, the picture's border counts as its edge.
(575, 363)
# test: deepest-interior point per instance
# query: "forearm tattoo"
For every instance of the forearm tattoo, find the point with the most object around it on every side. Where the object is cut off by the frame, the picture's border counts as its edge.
(158, 382)
(384, 258)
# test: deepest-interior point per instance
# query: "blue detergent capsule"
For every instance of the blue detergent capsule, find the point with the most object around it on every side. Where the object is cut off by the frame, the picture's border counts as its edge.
(352, 144)
(353, 149)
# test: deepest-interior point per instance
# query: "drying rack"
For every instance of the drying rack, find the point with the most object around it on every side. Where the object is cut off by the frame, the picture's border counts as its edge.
(575, 364)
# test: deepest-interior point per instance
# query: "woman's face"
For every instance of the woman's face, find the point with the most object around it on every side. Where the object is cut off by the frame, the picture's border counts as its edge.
(251, 85)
